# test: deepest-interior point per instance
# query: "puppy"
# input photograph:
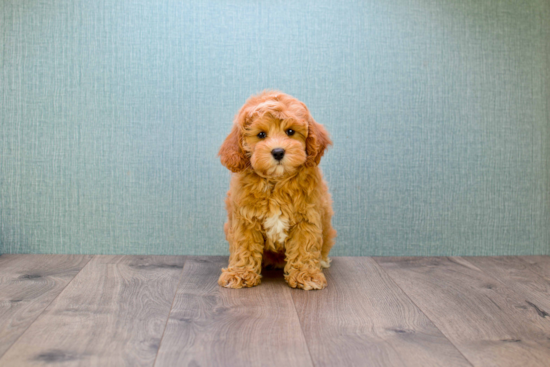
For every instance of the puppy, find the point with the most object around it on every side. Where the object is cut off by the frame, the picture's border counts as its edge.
(279, 209)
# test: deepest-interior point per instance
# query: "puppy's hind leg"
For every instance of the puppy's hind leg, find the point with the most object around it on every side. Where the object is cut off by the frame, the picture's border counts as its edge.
(328, 241)
(329, 234)
(274, 260)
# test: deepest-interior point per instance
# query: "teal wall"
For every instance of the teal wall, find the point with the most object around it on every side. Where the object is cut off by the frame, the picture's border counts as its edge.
(112, 113)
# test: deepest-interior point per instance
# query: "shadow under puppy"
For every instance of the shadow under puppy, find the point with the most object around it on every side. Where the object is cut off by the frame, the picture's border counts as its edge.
(278, 206)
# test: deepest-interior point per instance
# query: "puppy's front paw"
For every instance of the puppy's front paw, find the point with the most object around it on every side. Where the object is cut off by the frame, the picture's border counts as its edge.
(306, 279)
(238, 278)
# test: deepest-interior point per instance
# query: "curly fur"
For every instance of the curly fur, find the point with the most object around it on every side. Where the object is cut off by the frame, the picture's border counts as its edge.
(279, 213)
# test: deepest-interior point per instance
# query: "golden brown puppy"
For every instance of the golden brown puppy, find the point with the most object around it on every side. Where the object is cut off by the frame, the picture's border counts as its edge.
(278, 206)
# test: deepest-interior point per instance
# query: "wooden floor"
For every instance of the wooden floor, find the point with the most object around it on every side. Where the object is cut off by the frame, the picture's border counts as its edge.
(73, 310)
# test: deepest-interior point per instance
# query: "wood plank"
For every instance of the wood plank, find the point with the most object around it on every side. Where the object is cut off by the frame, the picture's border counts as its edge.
(214, 326)
(28, 284)
(113, 313)
(487, 321)
(516, 275)
(538, 264)
(364, 319)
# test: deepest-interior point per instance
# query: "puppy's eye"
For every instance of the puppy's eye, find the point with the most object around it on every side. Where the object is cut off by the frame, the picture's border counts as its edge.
(290, 132)
(262, 135)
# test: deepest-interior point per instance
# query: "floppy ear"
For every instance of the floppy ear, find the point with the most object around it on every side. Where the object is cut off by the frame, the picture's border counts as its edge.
(317, 142)
(231, 153)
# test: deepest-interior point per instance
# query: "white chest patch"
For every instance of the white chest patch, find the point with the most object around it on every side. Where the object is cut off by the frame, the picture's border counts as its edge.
(276, 227)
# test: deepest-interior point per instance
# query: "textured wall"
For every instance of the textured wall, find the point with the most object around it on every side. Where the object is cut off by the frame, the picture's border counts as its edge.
(112, 113)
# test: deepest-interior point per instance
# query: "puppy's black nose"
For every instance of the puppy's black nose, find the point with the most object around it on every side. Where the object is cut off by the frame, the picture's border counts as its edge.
(278, 153)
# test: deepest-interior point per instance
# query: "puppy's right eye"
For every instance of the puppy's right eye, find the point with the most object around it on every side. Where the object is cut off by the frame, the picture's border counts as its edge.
(262, 135)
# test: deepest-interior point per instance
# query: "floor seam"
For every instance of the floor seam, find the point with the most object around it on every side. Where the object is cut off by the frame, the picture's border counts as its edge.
(170, 311)
(422, 311)
(45, 308)
(301, 327)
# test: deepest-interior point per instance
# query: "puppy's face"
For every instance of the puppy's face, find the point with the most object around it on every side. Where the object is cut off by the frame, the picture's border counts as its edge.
(275, 135)
(276, 147)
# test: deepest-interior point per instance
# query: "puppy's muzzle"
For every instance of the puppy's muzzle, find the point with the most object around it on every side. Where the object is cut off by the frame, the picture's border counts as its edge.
(278, 153)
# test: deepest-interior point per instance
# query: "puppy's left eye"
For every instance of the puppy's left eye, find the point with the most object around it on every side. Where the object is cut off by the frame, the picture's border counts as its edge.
(290, 132)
